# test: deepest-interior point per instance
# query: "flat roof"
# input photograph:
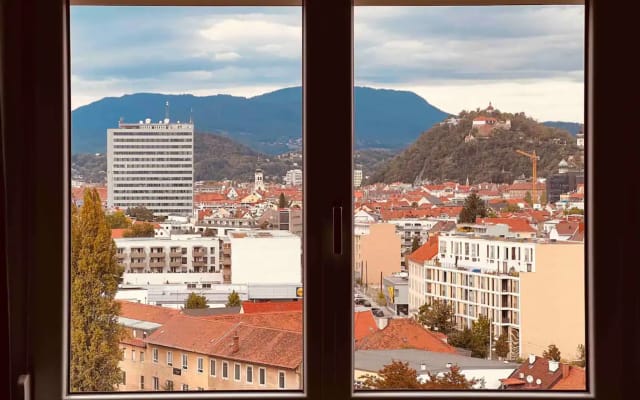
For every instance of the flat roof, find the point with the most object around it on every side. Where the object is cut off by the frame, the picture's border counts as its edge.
(134, 323)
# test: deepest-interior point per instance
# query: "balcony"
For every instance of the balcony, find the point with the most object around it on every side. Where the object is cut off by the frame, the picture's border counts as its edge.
(199, 252)
(175, 264)
(198, 263)
(175, 253)
(137, 265)
(138, 254)
(160, 253)
(120, 256)
(158, 264)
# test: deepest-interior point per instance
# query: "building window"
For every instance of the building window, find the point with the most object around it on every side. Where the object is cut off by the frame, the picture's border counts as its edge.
(124, 353)
(124, 377)
(281, 380)
(200, 365)
(133, 355)
(154, 355)
(141, 382)
(169, 385)
(156, 383)
(184, 361)
(236, 372)
(225, 370)
(212, 367)
(142, 356)
(263, 376)
(185, 387)
(249, 374)
(170, 358)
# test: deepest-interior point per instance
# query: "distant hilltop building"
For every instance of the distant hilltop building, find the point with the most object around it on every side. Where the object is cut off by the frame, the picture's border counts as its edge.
(484, 125)
(151, 165)
(580, 138)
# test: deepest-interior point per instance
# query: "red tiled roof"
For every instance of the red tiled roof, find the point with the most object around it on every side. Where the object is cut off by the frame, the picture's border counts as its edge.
(286, 320)
(567, 228)
(566, 377)
(131, 341)
(256, 344)
(145, 312)
(364, 324)
(425, 252)
(575, 380)
(271, 306)
(208, 197)
(512, 381)
(403, 334)
(117, 233)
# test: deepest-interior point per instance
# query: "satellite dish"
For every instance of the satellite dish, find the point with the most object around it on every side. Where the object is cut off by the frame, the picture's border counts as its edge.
(538, 381)
(529, 378)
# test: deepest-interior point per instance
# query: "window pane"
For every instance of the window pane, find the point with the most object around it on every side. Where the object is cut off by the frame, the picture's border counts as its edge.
(186, 151)
(469, 187)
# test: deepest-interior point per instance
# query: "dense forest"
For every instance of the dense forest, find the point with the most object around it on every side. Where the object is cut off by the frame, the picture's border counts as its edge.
(441, 153)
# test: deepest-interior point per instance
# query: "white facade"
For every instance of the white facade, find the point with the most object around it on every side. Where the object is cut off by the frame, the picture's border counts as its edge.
(265, 256)
(357, 177)
(293, 177)
(258, 184)
(408, 228)
(151, 165)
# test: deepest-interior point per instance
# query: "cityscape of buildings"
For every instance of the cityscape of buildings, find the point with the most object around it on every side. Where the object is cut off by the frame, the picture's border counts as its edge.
(522, 267)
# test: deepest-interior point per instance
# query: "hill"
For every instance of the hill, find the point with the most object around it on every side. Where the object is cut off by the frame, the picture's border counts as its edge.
(444, 155)
(572, 127)
(270, 123)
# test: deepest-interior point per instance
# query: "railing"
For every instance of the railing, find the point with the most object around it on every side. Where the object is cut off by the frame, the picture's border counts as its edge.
(175, 253)
(199, 253)
(138, 254)
(159, 264)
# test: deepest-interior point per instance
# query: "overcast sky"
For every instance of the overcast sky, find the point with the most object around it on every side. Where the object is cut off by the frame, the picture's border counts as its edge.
(521, 58)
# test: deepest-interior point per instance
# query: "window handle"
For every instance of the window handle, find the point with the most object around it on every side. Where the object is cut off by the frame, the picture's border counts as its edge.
(337, 231)
(24, 380)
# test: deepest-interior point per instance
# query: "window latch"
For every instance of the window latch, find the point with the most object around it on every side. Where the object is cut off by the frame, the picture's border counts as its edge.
(24, 380)
(337, 231)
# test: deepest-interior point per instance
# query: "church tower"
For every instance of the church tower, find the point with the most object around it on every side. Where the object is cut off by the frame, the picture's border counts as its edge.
(258, 184)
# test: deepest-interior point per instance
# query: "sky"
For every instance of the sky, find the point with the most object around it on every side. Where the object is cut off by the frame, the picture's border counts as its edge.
(520, 58)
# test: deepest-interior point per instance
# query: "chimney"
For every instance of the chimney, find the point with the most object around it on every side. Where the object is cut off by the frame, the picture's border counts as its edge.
(382, 323)
(532, 358)
(553, 365)
(565, 370)
(236, 343)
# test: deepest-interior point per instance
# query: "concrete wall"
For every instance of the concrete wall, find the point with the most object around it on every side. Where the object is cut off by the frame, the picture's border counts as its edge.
(552, 300)
(274, 259)
(377, 252)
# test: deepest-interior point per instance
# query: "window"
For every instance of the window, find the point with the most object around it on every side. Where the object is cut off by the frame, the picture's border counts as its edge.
(133, 355)
(169, 385)
(281, 380)
(142, 356)
(156, 383)
(185, 387)
(154, 354)
(212, 367)
(169, 358)
(225, 370)
(263, 376)
(184, 361)
(236, 372)
(249, 374)
(141, 382)
(200, 365)
(124, 377)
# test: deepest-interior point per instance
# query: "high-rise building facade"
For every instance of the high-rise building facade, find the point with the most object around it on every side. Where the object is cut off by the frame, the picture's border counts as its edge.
(151, 165)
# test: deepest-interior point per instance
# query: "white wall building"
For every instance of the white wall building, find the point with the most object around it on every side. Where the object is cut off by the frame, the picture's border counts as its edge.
(265, 256)
(357, 177)
(151, 165)
(293, 177)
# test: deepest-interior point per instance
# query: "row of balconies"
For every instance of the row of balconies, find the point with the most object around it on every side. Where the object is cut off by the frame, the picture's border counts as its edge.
(196, 252)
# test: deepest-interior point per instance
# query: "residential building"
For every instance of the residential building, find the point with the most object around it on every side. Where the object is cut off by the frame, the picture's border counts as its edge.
(410, 228)
(538, 373)
(293, 177)
(376, 253)
(357, 178)
(396, 293)
(151, 165)
(564, 181)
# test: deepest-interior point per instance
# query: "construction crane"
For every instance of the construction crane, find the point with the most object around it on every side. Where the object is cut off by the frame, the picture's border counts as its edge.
(534, 160)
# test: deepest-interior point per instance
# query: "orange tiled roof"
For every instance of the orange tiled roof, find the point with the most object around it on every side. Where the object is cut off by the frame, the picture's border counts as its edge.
(364, 324)
(566, 377)
(117, 233)
(208, 197)
(575, 380)
(146, 312)
(286, 320)
(403, 334)
(427, 251)
(271, 306)
(256, 344)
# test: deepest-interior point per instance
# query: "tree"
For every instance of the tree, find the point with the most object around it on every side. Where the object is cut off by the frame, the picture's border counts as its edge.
(552, 353)
(480, 337)
(543, 198)
(233, 300)
(209, 233)
(282, 201)
(438, 316)
(451, 380)
(381, 299)
(528, 199)
(141, 213)
(473, 207)
(415, 245)
(460, 339)
(118, 220)
(144, 229)
(397, 375)
(95, 332)
(502, 346)
(582, 356)
(512, 208)
(195, 301)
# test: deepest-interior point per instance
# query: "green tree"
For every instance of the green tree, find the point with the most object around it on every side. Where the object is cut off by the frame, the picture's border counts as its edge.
(451, 380)
(233, 300)
(473, 207)
(437, 316)
(95, 332)
(195, 301)
(381, 299)
(282, 201)
(502, 346)
(512, 208)
(543, 198)
(144, 229)
(480, 337)
(573, 210)
(528, 199)
(552, 353)
(140, 213)
(397, 375)
(460, 339)
(415, 245)
(118, 220)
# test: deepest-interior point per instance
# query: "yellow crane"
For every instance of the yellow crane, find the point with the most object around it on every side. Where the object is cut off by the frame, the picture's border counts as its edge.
(534, 160)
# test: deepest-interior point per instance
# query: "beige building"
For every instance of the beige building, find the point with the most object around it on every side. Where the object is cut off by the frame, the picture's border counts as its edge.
(377, 251)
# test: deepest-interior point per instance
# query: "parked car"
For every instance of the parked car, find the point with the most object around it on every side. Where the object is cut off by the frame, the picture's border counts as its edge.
(377, 312)
(361, 301)
(367, 303)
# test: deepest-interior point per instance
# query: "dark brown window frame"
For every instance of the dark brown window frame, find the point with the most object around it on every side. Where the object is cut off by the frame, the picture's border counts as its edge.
(34, 115)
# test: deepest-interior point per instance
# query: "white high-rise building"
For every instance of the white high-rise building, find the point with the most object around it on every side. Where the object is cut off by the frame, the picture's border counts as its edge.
(357, 177)
(293, 177)
(151, 165)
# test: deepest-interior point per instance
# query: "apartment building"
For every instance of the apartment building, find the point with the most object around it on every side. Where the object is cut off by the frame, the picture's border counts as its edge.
(376, 253)
(151, 165)
(531, 290)
(293, 177)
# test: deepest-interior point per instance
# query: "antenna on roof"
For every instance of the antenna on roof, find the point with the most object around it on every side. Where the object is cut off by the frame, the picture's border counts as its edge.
(166, 110)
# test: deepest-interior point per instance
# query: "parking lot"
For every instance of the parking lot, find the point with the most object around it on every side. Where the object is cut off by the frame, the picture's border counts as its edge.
(364, 302)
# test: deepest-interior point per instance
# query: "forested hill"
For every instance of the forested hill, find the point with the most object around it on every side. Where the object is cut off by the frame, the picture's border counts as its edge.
(442, 153)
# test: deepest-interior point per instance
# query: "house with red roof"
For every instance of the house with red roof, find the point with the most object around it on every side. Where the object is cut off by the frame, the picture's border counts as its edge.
(538, 373)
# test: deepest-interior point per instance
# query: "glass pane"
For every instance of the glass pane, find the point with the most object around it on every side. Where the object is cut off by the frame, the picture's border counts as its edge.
(469, 185)
(187, 192)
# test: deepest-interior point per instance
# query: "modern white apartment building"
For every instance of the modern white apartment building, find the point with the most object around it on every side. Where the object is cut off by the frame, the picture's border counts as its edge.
(532, 290)
(151, 165)
(357, 177)
(293, 177)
